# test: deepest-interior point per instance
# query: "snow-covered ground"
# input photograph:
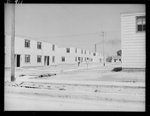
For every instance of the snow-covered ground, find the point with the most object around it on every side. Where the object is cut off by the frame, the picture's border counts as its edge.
(94, 72)
(19, 102)
(98, 86)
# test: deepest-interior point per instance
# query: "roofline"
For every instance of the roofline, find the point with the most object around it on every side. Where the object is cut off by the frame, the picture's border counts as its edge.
(31, 38)
(131, 13)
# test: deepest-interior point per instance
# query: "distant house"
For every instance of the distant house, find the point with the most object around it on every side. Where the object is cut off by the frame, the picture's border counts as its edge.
(133, 26)
(116, 59)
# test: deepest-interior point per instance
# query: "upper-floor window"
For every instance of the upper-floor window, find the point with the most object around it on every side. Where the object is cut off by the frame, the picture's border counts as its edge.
(81, 51)
(39, 45)
(53, 47)
(27, 43)
(68, 50)
(27, 58)
(94, 54)
(85, 51)
(39, 58)
(76, 50)
(140, 23)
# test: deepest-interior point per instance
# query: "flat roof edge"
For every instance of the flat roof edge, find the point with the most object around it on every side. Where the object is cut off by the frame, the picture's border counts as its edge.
(131, 13)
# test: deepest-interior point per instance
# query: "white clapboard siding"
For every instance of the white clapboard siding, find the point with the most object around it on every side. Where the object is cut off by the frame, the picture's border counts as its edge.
(133, 43)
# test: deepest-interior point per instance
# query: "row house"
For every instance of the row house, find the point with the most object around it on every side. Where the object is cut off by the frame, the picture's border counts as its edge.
(30, 52)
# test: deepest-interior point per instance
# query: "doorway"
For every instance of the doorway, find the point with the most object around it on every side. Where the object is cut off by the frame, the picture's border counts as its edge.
(17, 59)
(46, 60)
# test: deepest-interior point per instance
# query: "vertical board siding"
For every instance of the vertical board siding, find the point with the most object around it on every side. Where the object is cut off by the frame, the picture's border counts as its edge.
(133, 43)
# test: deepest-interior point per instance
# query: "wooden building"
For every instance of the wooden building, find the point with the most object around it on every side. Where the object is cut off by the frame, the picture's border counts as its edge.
(133, 40)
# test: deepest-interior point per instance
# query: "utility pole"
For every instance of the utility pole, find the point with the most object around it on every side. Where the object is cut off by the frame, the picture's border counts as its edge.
(13, 43)
(13, 37)
(103, 34)
(95, 48)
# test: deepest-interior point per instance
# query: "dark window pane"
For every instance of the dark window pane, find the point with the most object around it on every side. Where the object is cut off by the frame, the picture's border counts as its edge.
(68, 50)
(139, 27)
(53, 47)
(76, 50)
(141, 23)
(63, 59)
(27, 58)
(38, 59)
(39, 45)
(53, 59)
(27, 43)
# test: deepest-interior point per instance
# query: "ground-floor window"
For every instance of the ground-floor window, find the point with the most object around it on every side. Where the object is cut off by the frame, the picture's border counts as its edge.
(53, 59)
(76, 59)
(39, 58)
(63, 59)
(100, 60)
(81, 59)
(27, 58)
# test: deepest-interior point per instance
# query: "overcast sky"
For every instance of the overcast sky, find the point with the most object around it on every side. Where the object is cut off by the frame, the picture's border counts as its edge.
(72, 25)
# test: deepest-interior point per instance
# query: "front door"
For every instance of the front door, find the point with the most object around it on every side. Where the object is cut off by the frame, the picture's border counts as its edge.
(18, 60)
(46, 60)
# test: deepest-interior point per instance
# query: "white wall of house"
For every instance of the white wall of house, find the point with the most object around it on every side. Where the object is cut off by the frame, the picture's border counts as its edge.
(69, 57)
(133, 42)
(46, 50)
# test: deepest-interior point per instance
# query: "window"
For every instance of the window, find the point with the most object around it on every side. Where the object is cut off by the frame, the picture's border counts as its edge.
(81, 51)
(27, 58)
(140, 23)
(39, 59)
(53, 59)
(68, 50)
(76, 59)
(76, 50)
(53, 47)
(63, 59)
(39, 45)
(81, 59)
(85, 52)
(27, 43)
(94, 54)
